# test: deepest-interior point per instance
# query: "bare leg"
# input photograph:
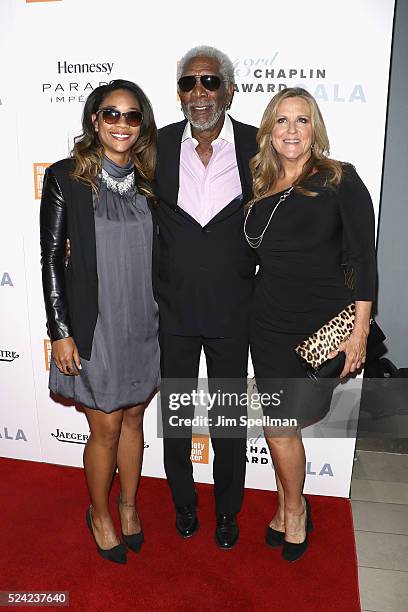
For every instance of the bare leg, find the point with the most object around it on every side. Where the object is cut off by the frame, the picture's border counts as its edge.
(278, 520)
(288, 456)
(130, 457)
(100, 463)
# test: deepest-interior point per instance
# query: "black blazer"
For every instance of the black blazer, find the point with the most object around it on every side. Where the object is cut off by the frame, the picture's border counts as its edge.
(205, 274)
(70, 293)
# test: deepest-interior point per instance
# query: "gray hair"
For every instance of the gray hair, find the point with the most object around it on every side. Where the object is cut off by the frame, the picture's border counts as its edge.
(224, 62)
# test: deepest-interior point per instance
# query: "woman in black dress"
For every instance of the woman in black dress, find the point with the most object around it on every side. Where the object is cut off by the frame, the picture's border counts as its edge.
(307, 208)
(101, 313)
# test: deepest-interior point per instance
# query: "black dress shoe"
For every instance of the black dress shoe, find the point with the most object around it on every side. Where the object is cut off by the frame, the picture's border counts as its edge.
(293, 552)
(186, 520)
(226, 531)
(133, 541)
(117, 554)
(273, 537)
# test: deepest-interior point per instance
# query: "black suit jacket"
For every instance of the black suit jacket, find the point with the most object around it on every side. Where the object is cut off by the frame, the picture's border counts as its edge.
(70, 293)
(205, 274)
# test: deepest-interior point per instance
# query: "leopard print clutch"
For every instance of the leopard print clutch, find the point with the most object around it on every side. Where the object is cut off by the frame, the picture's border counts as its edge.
(315, 349)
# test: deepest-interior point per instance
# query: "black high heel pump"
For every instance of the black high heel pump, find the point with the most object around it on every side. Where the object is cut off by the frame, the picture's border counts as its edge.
(293, 552)
(133, 541)
(273, 537)
(117, 554)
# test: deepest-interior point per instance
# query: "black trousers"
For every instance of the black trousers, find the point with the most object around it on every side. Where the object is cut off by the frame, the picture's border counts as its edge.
(227, 359)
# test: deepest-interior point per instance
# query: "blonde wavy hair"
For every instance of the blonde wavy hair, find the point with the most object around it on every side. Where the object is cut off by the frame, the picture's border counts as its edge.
(87, 152)
(266, 166)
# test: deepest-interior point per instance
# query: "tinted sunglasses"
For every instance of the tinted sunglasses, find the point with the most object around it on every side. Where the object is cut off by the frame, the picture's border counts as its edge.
(133, 118)
(210, 81)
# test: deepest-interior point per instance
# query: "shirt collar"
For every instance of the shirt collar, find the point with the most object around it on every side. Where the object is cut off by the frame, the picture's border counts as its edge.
(227, 131)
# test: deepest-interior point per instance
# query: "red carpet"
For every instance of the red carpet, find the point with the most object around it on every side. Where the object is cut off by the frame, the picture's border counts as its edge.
(45, 545)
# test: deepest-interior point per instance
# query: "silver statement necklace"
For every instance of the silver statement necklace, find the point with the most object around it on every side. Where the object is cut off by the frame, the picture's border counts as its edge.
(255, 241)
(119, 186)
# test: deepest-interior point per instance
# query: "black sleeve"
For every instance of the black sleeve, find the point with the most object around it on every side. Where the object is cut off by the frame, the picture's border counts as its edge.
(53, 238)
(357, 214)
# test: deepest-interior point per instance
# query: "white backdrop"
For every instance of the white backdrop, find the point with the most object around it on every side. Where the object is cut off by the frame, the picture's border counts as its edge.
(340, 51)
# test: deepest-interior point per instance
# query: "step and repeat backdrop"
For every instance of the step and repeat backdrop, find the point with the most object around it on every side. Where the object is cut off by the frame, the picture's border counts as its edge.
(54, 53)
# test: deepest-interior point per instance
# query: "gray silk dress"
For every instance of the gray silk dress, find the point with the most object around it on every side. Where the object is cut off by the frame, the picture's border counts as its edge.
(125, 361)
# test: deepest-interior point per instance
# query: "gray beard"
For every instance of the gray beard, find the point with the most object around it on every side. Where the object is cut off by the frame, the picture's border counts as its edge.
(207, 125)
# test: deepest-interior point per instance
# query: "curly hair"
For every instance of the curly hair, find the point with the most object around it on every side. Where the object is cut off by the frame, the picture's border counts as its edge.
(88, 151)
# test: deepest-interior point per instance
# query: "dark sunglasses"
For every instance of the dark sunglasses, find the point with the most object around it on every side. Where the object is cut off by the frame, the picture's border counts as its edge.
(210, 81)
(133, 118)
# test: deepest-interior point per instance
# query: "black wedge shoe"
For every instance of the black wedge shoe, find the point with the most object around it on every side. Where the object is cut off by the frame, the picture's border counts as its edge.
(117, 554)
(273, 537)
(292, 552)
(133, 541)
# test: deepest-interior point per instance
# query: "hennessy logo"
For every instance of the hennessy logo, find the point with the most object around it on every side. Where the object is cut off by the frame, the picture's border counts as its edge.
(39, 171)
(65, 68)
(8, 355)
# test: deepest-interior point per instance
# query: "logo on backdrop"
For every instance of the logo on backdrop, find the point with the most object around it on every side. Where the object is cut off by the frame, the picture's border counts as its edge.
(200, 446)
(269, 75)
(47, 353)
(71, 437)
(258, 454)
(8, 355)
(73, 82)
(5, 280)
(7, 433)
(39, 171)
(74, 437)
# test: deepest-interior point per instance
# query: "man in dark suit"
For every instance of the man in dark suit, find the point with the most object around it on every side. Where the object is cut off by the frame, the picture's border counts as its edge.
(205, 273)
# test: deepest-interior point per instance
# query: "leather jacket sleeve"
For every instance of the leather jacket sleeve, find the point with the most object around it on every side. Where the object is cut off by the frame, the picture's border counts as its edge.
(53, 236)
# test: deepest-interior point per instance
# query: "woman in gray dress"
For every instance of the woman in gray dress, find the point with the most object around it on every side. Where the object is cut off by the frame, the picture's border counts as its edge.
(101, 314)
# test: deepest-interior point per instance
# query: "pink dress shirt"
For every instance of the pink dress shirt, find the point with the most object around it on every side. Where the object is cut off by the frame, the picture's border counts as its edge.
(205, 190)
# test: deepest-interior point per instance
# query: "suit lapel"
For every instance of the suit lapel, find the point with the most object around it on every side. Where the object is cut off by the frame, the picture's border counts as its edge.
(168, 167)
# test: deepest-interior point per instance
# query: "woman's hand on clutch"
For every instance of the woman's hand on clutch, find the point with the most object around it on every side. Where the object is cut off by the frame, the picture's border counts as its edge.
(66, 356)
(355, 350)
